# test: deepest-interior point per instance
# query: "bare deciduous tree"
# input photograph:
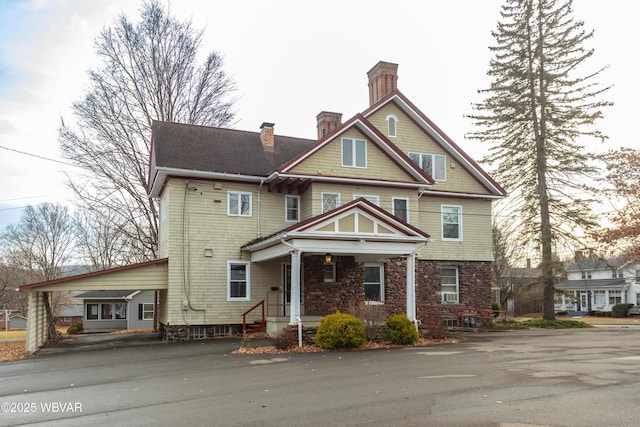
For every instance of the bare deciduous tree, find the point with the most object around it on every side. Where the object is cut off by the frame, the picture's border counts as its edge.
(148, 73)
(41, 243)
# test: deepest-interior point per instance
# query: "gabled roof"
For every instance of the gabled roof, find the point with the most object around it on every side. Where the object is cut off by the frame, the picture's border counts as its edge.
(595, 262)
(443, 140)
(368, 223)
(362, 125)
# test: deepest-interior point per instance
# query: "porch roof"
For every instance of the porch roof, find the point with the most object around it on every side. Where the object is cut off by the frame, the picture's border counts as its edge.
(358, 228)
(592, 284)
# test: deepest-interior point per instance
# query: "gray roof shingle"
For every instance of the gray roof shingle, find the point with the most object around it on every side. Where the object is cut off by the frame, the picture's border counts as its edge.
(202, 148)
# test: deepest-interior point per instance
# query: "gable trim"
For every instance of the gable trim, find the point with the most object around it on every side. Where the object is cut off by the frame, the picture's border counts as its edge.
(440, 137)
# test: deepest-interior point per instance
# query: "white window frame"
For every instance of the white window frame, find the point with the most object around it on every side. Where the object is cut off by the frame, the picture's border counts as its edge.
(393, 205)
(287, 209)
(330, 194)
(442, 220)
(449, 297)
(238, 202)
(355, 145)
(146, 312)
(118, 309)
(392, 131)
(369, 197)
(434, 158)
(247, 296)
(381, 283)
(330, 267)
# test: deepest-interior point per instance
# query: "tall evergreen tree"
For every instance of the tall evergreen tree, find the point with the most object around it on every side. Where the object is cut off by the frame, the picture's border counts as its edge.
(149, 71)
(540, 105)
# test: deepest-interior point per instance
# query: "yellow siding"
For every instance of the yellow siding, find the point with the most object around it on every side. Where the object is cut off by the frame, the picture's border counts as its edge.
(204, 284)
(476, 230)
(410, 138)
(328, 161)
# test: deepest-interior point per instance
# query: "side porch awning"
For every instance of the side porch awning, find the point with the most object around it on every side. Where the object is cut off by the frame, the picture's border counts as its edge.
(151, 275)
(358, 228)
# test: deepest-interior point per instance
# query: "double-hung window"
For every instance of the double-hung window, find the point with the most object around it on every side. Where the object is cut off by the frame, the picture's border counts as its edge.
(449, 285)
(238, 281)
(145, 311)
(451, 222)
(292, 208)
(239, 203)
(373, 282)
(354, 153)
(433, 164)
(401, 209)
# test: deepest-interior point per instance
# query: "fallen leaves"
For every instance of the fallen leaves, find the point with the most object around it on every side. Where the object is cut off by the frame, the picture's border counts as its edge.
(12, 351)
(371, 345)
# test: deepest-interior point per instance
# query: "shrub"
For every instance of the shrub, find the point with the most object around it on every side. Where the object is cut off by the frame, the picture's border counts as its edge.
(434, 327)
(76, 328)
(400, 330)
(340, 330)
(373, 317)
(285, 339)
(495, 306)
(620, 310)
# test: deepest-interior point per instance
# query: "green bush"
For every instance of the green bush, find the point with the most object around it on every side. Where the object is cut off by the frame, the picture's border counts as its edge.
(400, 330)
(495, 306)
(340, 330)
(76, 328)
(620, 310)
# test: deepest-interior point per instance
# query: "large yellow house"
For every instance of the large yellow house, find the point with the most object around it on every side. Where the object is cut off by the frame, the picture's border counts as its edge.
(383, 209)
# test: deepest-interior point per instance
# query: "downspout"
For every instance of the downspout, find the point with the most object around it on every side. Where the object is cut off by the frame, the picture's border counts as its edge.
(259, 205)
(413, 255)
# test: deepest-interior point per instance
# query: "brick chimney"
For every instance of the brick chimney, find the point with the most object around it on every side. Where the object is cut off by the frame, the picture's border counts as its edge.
(328, 122)
(383, 79)
(266, 136)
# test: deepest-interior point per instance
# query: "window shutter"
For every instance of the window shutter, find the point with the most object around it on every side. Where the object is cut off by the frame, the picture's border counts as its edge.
(140, 310)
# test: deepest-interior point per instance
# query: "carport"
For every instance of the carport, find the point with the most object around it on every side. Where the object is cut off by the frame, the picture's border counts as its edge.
(150, 275)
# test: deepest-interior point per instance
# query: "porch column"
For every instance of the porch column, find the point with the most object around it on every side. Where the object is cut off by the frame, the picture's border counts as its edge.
(36, 328)
(411, 286)
(294, 309)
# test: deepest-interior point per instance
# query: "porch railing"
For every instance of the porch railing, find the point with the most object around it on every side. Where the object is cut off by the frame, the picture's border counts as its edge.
(262, 321)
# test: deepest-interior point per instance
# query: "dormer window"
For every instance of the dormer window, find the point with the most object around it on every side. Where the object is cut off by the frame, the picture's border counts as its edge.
(586, 275)
(391, 125)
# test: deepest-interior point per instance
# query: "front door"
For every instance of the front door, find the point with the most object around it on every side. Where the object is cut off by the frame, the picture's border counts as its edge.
(584, 301)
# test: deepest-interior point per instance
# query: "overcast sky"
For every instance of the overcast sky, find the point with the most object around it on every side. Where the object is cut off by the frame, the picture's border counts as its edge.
(289, 59)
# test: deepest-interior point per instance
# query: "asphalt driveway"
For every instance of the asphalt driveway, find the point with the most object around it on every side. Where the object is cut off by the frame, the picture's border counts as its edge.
(553, 378)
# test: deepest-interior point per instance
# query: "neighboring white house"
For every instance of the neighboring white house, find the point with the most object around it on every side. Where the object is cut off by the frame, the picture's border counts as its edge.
(597, 284)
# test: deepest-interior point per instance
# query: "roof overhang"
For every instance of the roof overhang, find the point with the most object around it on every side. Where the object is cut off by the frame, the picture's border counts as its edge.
(150, 275)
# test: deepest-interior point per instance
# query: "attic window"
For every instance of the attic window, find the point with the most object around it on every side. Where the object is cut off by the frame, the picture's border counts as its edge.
(391, 123)
(354, 153)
